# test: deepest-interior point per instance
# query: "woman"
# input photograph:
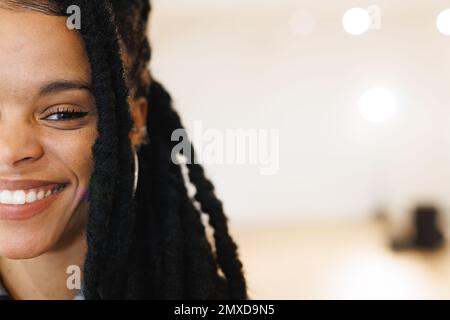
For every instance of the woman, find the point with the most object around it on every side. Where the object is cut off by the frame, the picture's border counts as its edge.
(80, 185)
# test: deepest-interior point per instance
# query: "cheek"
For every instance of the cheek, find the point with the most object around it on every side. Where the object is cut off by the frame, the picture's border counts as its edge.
(73, 154)
(68, 157)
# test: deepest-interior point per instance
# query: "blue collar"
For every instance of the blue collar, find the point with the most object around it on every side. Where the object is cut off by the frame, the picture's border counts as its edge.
(3, 294)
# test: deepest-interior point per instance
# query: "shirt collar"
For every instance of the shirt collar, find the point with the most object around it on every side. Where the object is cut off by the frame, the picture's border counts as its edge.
(3, 294)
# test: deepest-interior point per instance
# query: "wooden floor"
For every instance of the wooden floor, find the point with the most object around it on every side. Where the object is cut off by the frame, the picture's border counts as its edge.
(347, 261)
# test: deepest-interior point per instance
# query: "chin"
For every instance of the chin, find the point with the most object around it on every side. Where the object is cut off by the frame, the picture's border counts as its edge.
(23, 245)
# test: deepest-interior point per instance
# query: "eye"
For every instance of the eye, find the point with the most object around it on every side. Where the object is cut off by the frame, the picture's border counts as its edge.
(64, 114)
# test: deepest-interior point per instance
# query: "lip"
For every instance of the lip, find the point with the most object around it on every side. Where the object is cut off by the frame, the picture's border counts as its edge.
(27, 211)
(24, 184)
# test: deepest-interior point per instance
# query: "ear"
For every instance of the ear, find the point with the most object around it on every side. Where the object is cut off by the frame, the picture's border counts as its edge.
(139, 112)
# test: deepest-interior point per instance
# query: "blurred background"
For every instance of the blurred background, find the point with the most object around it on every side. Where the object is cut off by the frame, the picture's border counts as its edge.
(347, 102)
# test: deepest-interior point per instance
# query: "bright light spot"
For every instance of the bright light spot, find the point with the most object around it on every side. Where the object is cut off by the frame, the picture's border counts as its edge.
(443, 22)
(377, 105)
(356, 21)
(377, 275)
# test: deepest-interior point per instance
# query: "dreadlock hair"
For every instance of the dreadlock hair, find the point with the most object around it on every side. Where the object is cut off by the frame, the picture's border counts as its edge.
(152, 246)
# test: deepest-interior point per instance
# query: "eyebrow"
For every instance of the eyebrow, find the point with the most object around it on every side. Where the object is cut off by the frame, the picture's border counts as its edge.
(64, 85)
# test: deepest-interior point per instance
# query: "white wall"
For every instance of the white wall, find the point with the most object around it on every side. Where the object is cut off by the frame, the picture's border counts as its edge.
(240, 64)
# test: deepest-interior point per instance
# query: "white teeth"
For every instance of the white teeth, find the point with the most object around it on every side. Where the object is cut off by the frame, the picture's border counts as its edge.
(40, 195)
(31, 197)
(21, 197)
(6, 197)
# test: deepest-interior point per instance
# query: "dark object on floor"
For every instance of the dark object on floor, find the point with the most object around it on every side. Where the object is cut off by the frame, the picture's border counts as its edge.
(427, 234)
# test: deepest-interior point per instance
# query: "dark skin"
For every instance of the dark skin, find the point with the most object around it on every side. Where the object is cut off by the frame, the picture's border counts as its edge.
(45, 74)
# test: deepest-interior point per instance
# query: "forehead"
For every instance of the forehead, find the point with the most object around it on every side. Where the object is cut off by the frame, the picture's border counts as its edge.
(35, 47)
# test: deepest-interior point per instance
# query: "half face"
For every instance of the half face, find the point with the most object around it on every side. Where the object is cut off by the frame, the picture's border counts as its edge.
(48, 125)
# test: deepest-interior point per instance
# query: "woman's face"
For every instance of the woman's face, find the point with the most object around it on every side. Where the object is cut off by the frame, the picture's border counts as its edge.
(48, 124)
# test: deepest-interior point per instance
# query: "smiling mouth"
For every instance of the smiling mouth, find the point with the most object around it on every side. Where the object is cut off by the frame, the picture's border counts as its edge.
(24, 204)
(30, 196)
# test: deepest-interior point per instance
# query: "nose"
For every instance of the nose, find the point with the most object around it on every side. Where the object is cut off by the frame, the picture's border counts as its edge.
(19, 144)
